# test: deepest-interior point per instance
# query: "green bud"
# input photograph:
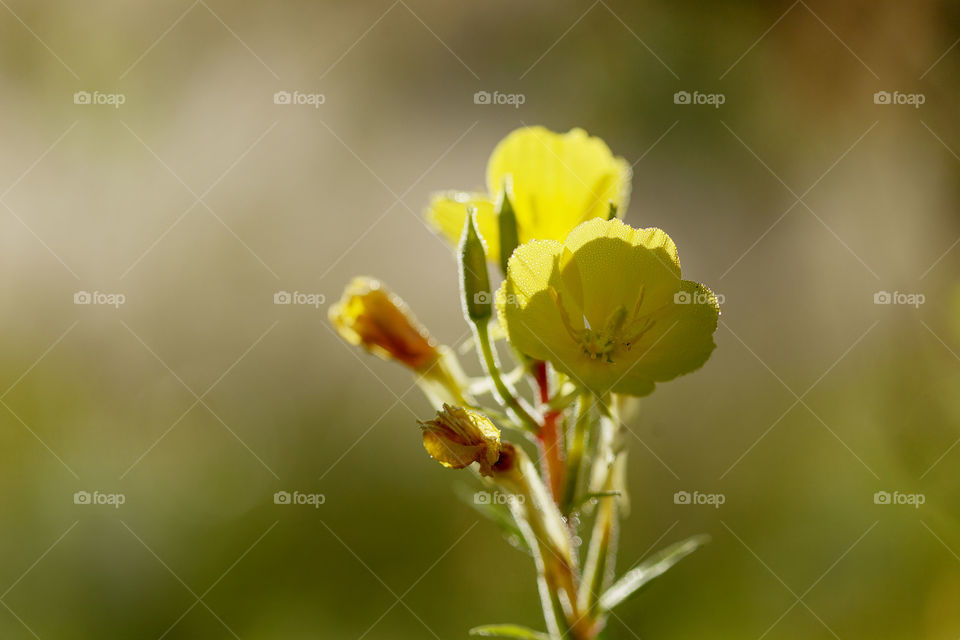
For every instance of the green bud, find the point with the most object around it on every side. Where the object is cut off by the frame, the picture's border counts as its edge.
(475, 291)
(507, 223)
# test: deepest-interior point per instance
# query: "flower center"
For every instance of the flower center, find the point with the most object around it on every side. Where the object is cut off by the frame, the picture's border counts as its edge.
(620, 331)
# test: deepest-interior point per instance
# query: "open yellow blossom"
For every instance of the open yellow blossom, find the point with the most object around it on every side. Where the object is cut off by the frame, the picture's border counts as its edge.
(558, 180)
(458, 437)
(608, 308)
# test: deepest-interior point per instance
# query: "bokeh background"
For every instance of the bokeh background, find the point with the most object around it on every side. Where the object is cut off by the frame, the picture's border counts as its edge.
(198, 198)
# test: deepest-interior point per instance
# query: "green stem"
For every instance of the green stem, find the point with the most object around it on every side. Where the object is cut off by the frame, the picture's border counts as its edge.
(547, 537)
(441, 385)
(601, 553)
(596, 566)
(507, 397)
(575, 451)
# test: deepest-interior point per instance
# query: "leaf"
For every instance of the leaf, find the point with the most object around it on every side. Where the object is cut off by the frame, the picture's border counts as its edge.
(508, 631)
(637, 578)
(499, 514)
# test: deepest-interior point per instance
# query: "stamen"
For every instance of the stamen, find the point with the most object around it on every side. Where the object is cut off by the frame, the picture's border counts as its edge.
(621, 329)
(633, 337)
(576, 334)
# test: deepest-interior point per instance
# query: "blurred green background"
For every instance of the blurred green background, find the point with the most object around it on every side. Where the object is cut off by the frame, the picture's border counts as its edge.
(798, 199)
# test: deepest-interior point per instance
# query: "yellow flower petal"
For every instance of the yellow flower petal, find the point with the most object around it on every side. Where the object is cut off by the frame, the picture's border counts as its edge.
(682, 339)
(617, 264)
(526, 306)
(448, 210)
(559, 180)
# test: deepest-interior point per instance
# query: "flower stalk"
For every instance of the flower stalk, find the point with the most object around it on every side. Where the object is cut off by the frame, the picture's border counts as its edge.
(601, 553)
(506, 395)
(575, 452)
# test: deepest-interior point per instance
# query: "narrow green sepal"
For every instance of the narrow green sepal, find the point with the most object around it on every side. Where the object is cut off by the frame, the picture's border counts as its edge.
(613, 212)
(507, 225)
(475, 293)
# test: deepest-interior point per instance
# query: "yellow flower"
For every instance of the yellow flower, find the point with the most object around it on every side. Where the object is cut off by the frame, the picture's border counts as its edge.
(608, 308)
(372, 317)
(458, 437)
(558, 180)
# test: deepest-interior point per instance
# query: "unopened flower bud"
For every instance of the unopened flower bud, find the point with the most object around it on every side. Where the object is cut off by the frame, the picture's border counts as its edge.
(372, 317)
(507, 224)
(458, 437)
(474, 279)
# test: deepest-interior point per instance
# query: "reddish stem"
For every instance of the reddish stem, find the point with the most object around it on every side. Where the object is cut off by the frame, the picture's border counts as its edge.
(549, 437)
(543, 383)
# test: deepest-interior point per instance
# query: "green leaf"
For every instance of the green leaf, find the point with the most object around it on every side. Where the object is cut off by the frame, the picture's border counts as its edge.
(637, 578)
(508, 631)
